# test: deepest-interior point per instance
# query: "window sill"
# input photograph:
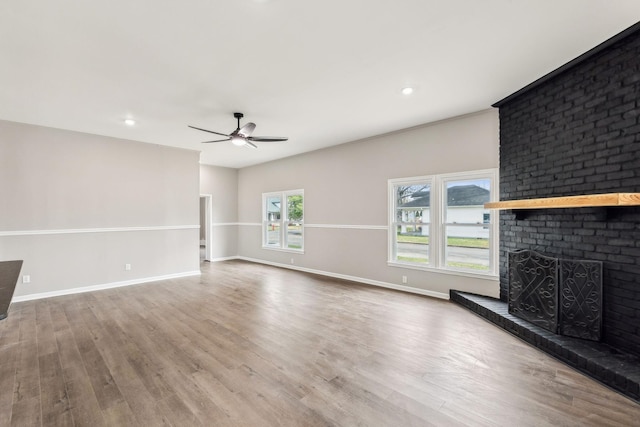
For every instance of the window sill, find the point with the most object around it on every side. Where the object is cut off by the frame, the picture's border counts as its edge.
(452, 272)
(294, 251)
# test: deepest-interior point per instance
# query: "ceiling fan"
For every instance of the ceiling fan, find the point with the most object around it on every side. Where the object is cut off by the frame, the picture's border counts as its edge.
(242, 135)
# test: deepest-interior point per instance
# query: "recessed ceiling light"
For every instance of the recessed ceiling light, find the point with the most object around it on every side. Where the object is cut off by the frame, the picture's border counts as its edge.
(407, 90)
(129, 122)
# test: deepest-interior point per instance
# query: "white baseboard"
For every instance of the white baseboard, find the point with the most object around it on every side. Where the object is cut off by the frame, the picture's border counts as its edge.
(403, 288)
(102, 286)
(78, 290)
(229, 258)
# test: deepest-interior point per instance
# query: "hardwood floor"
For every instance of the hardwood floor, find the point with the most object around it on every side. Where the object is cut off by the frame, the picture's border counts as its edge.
(253, 345)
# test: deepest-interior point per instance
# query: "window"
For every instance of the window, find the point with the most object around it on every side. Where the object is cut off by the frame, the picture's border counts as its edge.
(411, 225)
(283, 220)
(466, 234)
(439, 222)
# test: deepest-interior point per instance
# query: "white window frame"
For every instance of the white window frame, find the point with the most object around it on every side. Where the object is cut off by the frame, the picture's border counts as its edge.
(284, 222)
(437, 226)
(393, 224)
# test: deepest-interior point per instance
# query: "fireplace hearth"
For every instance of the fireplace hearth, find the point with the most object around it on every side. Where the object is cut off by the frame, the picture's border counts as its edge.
(613, 367)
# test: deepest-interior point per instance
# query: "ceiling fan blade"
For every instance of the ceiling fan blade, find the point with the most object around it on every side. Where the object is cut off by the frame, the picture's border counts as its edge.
(210, 131)
(242, 135)
(246, 130)
(217, 140)
(268, 138)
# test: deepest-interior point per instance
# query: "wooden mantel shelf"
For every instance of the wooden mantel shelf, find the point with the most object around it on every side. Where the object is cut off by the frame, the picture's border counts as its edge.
(587, 200)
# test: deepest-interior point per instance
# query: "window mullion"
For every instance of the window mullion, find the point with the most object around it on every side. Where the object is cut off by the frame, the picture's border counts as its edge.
(436, 208)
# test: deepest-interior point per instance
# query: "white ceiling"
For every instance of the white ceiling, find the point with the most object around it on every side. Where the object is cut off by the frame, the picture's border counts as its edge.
(322, 73)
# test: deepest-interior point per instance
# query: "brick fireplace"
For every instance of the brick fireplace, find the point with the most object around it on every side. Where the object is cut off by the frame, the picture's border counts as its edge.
(576, 131)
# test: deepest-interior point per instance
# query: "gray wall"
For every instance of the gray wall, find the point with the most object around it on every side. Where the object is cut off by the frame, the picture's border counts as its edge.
(222, 185)
(78, 207)
(346, 210)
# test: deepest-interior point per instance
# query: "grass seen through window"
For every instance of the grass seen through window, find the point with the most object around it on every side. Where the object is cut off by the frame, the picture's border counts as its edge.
(462, 242)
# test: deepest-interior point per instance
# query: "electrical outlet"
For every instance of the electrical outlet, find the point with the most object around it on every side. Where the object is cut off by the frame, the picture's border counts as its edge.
(26, 279)
(127, 267)
(291, 260)
(404, 279)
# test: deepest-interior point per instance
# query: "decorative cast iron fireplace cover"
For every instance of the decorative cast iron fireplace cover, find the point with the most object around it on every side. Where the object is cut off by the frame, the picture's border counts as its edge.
(581, 299)
(533, 288)
(562, 296)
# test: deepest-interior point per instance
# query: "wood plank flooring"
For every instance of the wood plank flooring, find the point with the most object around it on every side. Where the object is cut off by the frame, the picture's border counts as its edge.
(252, 345)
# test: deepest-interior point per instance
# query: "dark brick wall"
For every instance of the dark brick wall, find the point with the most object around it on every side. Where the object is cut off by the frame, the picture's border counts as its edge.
(579, 133)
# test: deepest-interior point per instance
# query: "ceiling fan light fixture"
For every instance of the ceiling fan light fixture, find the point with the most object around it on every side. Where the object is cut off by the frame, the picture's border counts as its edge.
(236, 140)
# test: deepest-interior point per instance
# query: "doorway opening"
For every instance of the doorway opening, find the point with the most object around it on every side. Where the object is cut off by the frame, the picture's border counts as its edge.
(205, 227)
